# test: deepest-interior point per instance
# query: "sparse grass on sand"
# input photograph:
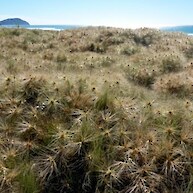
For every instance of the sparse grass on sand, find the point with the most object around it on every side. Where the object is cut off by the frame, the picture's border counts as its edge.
(96, 110)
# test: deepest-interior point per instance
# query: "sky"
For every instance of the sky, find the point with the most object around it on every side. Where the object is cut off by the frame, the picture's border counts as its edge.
(115, 13)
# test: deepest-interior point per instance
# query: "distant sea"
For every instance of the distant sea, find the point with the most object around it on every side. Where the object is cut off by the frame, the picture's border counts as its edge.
(44, 27)
(188, 29)
(184, 29)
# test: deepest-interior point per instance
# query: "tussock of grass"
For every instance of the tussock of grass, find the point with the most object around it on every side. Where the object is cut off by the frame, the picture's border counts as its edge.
(95, 110)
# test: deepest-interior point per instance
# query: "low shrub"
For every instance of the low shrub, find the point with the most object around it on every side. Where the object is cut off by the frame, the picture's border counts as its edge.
(141, 76)
(171, 64)
(179, 85)
(61, 57)
(129, 50)
(98, 48)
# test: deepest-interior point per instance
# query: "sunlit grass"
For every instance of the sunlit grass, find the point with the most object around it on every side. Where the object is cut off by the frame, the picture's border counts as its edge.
(96, 110)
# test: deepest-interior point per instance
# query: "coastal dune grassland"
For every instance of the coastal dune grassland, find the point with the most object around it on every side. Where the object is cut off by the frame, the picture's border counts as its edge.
(96, 110)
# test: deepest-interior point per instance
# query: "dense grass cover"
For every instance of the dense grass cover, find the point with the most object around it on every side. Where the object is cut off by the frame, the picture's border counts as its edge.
(96, 110)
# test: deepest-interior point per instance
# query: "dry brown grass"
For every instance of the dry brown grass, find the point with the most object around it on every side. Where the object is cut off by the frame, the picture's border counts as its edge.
(95, 110)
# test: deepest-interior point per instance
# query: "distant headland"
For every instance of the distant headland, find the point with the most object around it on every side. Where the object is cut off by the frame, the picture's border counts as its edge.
(14, 21)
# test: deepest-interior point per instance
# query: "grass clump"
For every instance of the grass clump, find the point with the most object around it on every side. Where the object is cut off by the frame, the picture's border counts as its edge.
(61, 58)
(146, 38)
(104, 101)
(28, 180)
(98, 48)
(179, 85)
(141, 76)
(171, 64)
(128, 51)
(32, 90)
(11, 67)
(15, 32)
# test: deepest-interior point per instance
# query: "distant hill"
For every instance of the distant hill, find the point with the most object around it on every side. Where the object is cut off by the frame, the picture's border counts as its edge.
(186, 29)
(14, 21)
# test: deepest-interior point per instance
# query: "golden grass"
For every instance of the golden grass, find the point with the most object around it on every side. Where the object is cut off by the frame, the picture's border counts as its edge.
(96, 110)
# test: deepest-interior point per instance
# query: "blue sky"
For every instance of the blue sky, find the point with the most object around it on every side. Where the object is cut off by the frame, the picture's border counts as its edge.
(118, 13)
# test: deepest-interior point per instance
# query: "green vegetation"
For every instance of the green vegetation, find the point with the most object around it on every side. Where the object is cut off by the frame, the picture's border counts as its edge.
(96, 110)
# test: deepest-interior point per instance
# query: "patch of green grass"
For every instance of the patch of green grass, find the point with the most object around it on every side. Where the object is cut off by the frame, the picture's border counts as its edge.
(27, 180)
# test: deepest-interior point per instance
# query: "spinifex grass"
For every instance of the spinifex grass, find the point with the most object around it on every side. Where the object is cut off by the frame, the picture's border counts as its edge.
(95, 110)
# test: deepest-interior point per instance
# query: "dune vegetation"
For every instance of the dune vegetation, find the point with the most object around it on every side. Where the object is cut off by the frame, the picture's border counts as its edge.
(96, 110)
